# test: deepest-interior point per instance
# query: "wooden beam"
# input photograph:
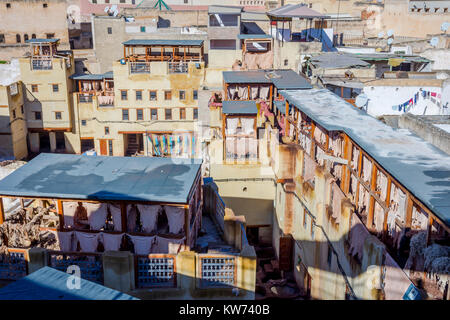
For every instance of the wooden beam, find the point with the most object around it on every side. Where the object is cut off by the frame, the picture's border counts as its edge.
(60, 209)
(409, 210)
(2, 211)
(286, 122)
(373, 186)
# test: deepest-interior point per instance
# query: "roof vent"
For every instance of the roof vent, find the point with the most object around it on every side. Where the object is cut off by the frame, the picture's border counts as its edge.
(349, 75)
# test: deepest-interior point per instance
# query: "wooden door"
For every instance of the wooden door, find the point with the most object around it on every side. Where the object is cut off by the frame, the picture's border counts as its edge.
(103, 148)
(286, 244)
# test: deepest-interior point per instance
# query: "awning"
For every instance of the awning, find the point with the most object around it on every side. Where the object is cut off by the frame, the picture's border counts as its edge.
(239, 107)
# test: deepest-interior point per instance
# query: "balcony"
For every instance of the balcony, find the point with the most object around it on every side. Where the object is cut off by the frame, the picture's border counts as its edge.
(84, 98)
(178, 67)
(139, 67)
(41, 64)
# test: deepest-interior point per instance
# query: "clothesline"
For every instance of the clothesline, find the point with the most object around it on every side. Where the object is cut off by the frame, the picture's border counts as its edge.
(406, 106)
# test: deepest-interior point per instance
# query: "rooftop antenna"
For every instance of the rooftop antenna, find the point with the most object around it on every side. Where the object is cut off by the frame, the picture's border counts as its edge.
(361, 100)
(159, 4)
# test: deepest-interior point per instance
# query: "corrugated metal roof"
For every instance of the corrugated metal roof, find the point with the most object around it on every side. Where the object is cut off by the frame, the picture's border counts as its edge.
(336, 60)
(295, 11)
(225, 9)
(418, 165)
(42, 40)
(158, 42)
(239, 107)
(51, 284)
(69, 176)
(282, 79)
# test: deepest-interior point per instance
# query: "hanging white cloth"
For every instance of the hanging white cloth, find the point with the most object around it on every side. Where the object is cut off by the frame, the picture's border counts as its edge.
(175, 218)
(112, 241)
(149, 217)
(97, 213)
(131, 218)
(231, 91)
(65, 240)
(166, 245)
(243, 92)
(241, 147)
(230, 144)
(142, 245)
(88, 241)
(69, 209)
(116, 214)
(248, 125)
(253, 148)
(254, 92)
(264, 93)
(232, 124)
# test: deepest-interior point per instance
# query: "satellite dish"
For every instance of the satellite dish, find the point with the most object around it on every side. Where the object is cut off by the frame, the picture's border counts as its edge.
(115, 13)
(361, 100)
(106, 9)
(434, 41)
(114, 7)
(381, 34)
(390, 33)
(390, 40)
(445, 26)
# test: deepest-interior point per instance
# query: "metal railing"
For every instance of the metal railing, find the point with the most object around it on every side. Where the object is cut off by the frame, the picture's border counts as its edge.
(155, 270)
(90, 264)
(178, 67)
(41, 64)
(217, 271)
(139, 67)
(13, 264)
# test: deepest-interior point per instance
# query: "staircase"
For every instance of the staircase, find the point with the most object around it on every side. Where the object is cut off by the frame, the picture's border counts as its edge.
(133, 146)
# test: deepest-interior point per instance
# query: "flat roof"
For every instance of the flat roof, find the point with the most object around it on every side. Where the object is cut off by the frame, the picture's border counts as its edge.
(282, 79)
(419, 166)
(239, 107)
(107, 75)
(69, 176)
(52, 40)
(386, 56)
(295, 11)
(158, 42)
(337, 60)
(51, 284)
(280, 105)
(225, 9)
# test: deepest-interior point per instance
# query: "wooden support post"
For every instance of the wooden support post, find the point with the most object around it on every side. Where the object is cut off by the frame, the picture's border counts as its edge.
(409, 210)
(359, 175)
(60, 210)
(313, 144)
(271, 98)
(2, 211)
(373, 186)
(388, 200)
(123, 213)
(162, 53)
(248, 93)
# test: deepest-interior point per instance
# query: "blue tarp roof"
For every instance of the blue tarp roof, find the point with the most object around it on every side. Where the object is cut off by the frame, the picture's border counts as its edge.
(51, 284)
(419, 166)
(42, 40)
(157, 42)
(68, 176)
(280, 105)
(239, 107)
(282, 79)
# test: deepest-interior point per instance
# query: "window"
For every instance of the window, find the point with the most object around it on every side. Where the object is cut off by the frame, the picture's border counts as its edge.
(124, 94)
(168, 114)
(106, 130)
(225, 20)
(58, 115)
(106, 1)
(8, 5)
(227, 44)
(50, 35)
(445, 9)
(21, 109)
(45, 5)
(154, 114)
(18, 38)
(2, 38)
(138, 95)
(25, 37)
(185, 1)
(125, 114)
(195, 113)
(182, 94)
(14, 114)
(83, 123)
(110, 147)
(286, 62)
(37, 115)
(182, 113)
(142, 28)
(153, 95)
(195, 94)
(167, 95)
(140, 114)
(94, 1)
(33, 36)
(122, 1)
(55, 87)
(109, 30)
(34, 88)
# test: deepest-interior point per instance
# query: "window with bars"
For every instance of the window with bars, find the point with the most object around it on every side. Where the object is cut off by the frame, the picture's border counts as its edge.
(154, 114)
(153, 96)
(168, 113)
(217, 271)
(124, 94)
(58, 115)
(155, 272)
(138, 95)
(195, 113)
(125, 115)
(140, 114)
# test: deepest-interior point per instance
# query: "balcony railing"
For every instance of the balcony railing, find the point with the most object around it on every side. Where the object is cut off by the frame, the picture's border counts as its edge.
(41, 64)
(139, 67)
(178, 67)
